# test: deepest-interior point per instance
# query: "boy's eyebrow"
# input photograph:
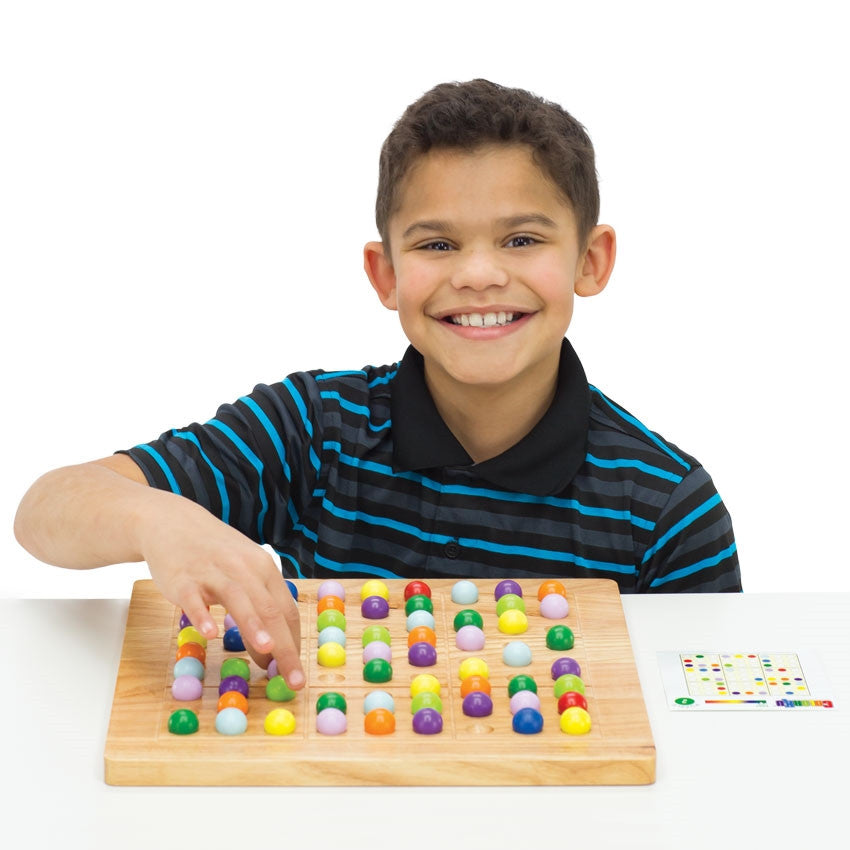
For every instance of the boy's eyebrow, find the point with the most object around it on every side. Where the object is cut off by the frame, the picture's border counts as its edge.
(510, 222)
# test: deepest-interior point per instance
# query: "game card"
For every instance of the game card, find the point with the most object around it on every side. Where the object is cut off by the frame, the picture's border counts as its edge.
(745, 681)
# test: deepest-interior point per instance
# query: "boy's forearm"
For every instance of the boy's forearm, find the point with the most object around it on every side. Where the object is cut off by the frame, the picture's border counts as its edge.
(85, 516)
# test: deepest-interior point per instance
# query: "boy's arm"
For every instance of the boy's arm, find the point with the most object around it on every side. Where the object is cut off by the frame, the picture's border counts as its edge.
(103, 512)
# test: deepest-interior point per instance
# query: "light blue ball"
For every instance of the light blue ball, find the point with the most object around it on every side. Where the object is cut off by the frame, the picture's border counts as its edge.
(464, 592)
(516, 654)
(332, 634)
(230, 721)
(189, 667)
(378, 699)
(419, 618)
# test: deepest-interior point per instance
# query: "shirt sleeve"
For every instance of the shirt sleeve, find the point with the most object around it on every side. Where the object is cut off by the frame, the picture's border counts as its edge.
(254, 465)
(693, 547)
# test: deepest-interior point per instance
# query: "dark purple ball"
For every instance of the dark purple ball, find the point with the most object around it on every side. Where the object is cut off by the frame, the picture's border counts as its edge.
(427, 721)
(233, 683)
(565, 665)
(184, 621)
(375, 608)
(422, 655)
(477, 704)
(507, 586)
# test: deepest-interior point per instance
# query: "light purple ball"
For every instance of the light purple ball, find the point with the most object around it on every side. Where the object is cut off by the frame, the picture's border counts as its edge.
(564, 666)
(524, 699)
(331, 721)
(507, 585)
(375, 608)
(553, 606)
(229, 622)
(272, 671)
(331, 588)
(469, 638)
(187, 688)
(377, 649)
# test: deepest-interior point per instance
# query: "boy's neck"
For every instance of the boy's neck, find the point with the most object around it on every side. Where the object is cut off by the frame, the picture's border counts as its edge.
(488, 419)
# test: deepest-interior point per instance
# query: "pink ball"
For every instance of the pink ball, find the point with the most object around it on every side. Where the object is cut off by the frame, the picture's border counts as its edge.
(524, 699)
(187, 688)
(469, 638)
(330, 588)
(554, 606)
(377, 649)
(331, 721)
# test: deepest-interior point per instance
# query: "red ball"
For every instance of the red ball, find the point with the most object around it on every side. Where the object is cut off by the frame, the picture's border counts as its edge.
(571, 699)
(416, 588)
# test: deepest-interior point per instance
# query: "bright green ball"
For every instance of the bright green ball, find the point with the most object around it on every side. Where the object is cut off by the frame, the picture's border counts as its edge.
(236, 667)
(278, 691)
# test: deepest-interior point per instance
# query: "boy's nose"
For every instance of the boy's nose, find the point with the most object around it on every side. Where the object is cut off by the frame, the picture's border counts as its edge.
(479, 270)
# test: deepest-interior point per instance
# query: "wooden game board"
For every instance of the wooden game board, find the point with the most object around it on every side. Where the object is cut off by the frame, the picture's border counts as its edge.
(619, 749)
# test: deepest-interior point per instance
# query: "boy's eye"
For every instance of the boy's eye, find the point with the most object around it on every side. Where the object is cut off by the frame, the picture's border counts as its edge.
(438, 245)
(521, 241)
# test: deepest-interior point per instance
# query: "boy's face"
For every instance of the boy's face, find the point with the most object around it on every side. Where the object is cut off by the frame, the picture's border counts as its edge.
(485, 263)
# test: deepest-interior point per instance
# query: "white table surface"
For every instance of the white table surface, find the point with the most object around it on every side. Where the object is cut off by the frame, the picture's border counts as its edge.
(724, 779)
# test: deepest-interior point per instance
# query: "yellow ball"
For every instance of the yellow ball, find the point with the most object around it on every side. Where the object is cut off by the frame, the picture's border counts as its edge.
(373, 587)
(474, 667)
(331, 654)
(191, 635)
(280, 721)
(513, 622)
(575, 721)
(425, 682)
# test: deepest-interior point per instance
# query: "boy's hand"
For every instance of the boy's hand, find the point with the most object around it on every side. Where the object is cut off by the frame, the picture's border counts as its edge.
(197, 560)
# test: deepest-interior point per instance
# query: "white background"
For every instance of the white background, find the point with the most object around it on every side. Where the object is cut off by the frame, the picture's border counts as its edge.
(185, 189)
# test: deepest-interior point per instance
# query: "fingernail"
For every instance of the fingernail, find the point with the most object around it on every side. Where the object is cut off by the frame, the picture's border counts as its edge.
(263, 638)
(295, 679)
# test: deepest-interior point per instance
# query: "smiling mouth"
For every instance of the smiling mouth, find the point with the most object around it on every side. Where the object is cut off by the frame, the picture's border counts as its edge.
(483, 320)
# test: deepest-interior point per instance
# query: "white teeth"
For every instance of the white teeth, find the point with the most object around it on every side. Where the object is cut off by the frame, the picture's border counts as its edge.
(483, 320)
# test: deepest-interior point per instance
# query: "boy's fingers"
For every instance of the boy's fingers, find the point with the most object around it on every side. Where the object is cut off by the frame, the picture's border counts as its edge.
(199, 616)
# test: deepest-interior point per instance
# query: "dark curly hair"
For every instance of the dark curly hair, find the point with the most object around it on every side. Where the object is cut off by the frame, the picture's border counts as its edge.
(468, 115)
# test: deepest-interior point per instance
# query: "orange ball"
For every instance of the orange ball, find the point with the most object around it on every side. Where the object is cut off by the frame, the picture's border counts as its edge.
(332, 602)
(550, 586)
(192, 650)
(233, 699)
(379, 721)
(475, 683)
(422, 634)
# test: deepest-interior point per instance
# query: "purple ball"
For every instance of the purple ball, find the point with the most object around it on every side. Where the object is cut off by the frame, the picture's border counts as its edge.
(477, 704)
(427, 721)
(508, 585)
(187, 688)
(422, 655)
(375, 608)
(233, 683)
(564, 666)
(184, 621)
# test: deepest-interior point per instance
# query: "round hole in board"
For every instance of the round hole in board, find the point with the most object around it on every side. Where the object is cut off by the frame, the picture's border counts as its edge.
(480, 728)
(331, 678)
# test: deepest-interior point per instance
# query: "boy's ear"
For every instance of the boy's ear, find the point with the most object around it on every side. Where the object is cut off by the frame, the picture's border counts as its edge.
(379, 270)
(598, 262)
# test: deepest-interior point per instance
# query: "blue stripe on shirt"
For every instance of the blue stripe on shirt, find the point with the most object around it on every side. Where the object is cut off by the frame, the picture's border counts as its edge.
(359, 409)
(618, 463)
(642, 428)
(704, 564)
(682, 524)
(219, 478)
(172, 481)
(244, 449)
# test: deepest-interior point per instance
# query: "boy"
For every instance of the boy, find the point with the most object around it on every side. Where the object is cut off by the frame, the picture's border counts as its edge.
(484, 452)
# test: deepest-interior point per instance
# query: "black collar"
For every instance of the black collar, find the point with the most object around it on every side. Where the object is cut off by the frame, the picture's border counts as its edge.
(542, 463)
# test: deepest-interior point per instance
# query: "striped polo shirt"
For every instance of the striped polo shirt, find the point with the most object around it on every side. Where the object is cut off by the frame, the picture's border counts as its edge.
(356, 474)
